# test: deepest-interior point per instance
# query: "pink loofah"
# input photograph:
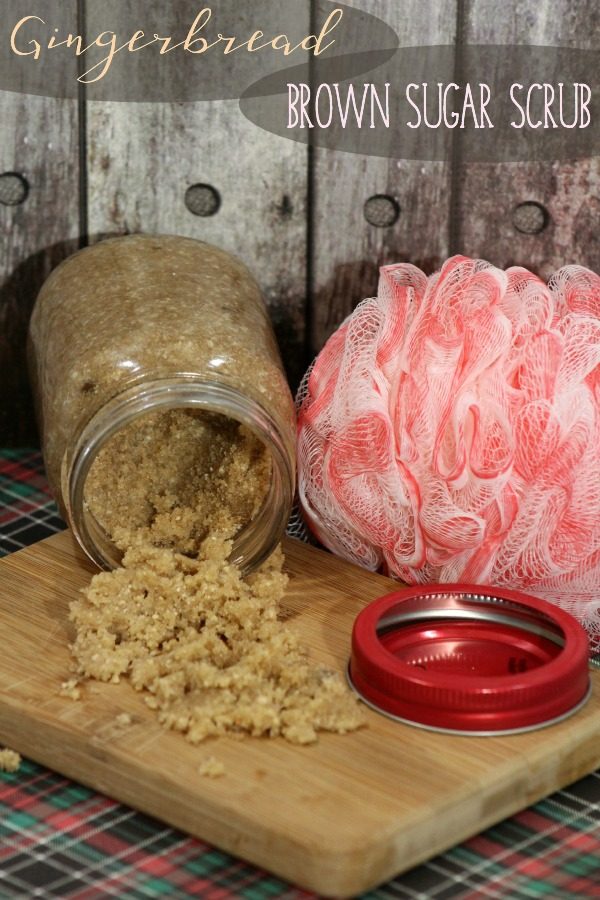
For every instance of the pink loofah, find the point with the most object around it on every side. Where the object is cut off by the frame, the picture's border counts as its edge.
(450, 431)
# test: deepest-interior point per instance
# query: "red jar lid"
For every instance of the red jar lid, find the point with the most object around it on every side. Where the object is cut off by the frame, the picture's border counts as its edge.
(467, 659)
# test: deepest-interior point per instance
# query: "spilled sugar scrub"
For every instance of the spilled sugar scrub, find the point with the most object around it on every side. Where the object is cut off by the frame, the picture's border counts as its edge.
(206, 646)
(10, 760)
(180, 621)
(211, 768)
(178, 327)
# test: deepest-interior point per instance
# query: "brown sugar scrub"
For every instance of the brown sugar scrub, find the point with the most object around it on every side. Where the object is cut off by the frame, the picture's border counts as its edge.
(211, 767)
(10, 760)
(149, 324)
(178, 619)
(170, 477)
(169, 440)
(70, 689)
(206, 646)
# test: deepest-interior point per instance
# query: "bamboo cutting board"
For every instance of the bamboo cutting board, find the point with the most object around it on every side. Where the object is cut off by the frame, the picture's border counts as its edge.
(338, 817)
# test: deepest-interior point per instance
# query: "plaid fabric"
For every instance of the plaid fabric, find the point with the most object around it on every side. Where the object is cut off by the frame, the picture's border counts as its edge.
(61, 840)
(27, 512)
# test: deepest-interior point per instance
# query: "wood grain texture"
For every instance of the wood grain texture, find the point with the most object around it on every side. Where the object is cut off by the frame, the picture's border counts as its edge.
(346, 250)
(39, 140)
(337, 817)
(143, 157)
(487, 194)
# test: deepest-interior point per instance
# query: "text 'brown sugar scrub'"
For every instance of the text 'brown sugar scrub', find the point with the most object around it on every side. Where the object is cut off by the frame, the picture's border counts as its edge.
(169, 439)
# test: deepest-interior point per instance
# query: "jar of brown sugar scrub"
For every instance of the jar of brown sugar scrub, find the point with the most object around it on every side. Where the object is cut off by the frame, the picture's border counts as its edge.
(162, 402)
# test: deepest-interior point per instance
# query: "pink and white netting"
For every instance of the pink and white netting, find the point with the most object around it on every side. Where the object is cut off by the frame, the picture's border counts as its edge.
(450, 431)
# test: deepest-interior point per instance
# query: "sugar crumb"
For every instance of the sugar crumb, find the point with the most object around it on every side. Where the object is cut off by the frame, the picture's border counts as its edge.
(123, 719)
(70, 689)
(211, 767)
(10, 760)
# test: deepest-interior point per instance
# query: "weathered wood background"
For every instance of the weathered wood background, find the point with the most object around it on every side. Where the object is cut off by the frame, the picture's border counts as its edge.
(301, 219)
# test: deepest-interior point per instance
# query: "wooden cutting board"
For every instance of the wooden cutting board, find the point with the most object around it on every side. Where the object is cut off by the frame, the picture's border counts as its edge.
(338, 817)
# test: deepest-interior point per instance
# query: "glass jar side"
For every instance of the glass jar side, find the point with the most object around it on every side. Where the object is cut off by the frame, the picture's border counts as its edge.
(139, 308)
(145, 323)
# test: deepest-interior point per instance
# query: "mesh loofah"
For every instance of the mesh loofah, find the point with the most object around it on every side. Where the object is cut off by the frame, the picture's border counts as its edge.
(450, 431)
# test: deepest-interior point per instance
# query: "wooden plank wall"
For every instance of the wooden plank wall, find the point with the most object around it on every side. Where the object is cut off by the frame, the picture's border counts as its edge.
(300, 218)
(347, 250)
(39, 222)
(488, 196)
(144, 158)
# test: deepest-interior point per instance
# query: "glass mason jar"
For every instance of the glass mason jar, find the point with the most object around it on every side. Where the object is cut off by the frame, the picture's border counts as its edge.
(142, 324)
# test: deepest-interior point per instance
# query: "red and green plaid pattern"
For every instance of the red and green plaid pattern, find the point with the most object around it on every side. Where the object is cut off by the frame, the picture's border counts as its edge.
(27, 512)
(61, 840)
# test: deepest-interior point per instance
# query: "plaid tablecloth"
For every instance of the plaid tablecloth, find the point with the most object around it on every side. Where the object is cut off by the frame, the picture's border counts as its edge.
(59, 839)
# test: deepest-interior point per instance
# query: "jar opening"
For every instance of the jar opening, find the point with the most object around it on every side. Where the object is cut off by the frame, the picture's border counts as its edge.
(206, 402)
